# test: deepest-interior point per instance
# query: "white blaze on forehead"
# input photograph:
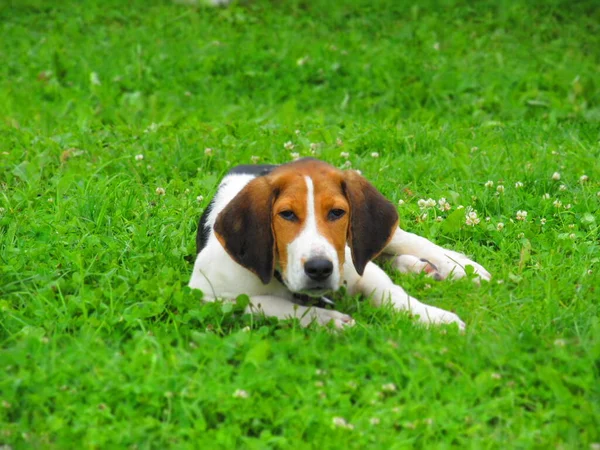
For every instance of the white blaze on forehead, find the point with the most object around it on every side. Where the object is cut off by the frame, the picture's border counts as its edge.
(311, 220)
(310, 244)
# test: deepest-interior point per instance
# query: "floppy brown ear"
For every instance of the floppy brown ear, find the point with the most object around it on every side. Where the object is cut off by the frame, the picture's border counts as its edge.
(244, 228)
(373, 219)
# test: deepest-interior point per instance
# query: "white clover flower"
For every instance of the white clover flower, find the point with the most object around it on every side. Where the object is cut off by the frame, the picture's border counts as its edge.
(520, 235)
(560, 342)
(562, 187)
(374, 155)
(443, 204)
(500, 189)
(187, 191)
(295, 156)
(474, 149)
(340, 422)
(546, 196)
(436, 46)
(489, 184)
(518, 185)
(50, 200)
(289, 145)
(240, 393)
(424, 216)
(500, 226)
(297, 132)
(389, 387)
(488, 219)
(423, 204)
(314, 146)
(345, 155)
(94, 79)
(208, 151)
(471, 218)
(439, 219)
(160, 191)
(572, 236)
(568, 206)
(152, 128)
(522, 215)
(347, 165)
(543, 221)
(557, 203)
(556, 176)
(374, 420)
(254, 159)
(139, 157)
(339, 142)
(496, 376)
(199, 198)
(583, 178)
(571, 226)
(400, 202)
(302, 61)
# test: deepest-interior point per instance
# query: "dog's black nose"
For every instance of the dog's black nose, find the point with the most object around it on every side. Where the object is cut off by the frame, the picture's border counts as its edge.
(318, 269)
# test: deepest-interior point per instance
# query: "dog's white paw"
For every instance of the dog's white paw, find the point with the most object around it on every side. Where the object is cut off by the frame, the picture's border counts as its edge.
(326, 316)
(437, 316)
(454, 265)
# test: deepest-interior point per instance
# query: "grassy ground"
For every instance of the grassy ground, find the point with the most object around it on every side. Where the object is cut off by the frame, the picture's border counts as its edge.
(103, 346)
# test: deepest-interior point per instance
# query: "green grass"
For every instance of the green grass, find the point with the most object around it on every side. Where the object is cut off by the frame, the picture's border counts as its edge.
(102, 345)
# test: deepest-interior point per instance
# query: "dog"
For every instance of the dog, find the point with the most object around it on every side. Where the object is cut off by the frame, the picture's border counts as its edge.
(286, 234)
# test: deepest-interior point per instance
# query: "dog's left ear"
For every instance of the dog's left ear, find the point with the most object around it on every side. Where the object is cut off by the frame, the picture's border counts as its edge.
(244, 228)
(373, 219)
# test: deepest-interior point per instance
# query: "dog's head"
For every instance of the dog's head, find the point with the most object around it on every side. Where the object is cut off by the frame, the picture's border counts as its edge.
(298, 220)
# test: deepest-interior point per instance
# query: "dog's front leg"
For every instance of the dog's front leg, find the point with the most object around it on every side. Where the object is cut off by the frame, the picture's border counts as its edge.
(376, 284)
(282, 308)
(412, 253)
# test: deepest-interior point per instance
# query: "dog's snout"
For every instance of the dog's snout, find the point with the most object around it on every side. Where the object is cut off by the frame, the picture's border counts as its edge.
(318, 269)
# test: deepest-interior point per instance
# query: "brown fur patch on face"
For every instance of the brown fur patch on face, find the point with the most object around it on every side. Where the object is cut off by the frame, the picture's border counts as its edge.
(291, 196)
(329, 196)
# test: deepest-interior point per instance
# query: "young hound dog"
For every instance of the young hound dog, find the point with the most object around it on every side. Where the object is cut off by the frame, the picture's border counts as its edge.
(281, 234)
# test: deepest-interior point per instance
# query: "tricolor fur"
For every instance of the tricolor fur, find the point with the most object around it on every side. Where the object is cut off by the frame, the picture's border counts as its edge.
(274, 232)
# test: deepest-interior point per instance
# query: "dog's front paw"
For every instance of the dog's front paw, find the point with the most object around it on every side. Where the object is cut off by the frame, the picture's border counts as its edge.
(454, 265)
(437, 316)
(326, 316)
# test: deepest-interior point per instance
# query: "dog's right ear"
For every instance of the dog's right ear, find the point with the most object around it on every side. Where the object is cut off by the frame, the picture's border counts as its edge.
(244, 228)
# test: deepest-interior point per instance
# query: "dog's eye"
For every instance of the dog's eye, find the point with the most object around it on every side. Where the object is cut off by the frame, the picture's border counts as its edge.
(288, 215)
(335, 214)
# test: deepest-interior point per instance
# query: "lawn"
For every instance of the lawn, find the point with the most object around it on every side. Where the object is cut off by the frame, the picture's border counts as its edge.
(117, 120)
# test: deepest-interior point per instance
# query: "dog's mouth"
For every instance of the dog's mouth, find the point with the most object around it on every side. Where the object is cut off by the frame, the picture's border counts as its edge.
(315, 291)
